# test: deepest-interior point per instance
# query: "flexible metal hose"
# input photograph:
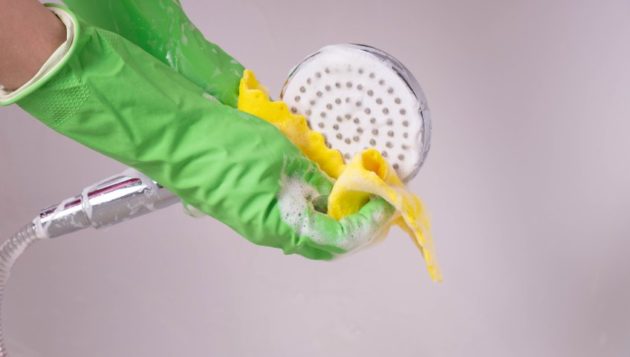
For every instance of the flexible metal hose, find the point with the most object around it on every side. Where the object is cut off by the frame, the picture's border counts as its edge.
(110, 201)
(10, 251)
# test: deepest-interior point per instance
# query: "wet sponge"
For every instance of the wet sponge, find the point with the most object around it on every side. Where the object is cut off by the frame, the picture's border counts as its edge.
(367, 174)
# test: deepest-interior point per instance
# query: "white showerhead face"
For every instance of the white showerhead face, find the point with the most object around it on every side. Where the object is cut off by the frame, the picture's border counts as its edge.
(360, 97)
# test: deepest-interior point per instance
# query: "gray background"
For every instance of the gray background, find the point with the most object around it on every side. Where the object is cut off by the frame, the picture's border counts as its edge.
(527, 183)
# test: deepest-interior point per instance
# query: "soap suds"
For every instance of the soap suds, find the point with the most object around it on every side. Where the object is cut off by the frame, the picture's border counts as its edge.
(295, 203)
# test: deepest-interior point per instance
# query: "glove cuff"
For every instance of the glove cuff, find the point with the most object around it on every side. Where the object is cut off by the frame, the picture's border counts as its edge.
(53, 64)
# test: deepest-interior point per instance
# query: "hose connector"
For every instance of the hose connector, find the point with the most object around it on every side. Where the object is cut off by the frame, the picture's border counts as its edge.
(113, 200)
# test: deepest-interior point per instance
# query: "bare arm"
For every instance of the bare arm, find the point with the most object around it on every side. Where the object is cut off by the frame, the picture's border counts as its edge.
(29, 34)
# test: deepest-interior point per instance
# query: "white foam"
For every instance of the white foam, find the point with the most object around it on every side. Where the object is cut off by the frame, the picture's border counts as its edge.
(295, 203)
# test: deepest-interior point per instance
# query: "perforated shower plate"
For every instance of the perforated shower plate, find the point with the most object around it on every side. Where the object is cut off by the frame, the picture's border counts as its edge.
(360, 97)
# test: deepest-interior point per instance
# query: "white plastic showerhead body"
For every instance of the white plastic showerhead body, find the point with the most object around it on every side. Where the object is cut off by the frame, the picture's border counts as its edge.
(360, 97)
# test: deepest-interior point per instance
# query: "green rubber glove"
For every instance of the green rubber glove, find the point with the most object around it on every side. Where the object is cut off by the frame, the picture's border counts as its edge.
(163, 29)
(119, 100)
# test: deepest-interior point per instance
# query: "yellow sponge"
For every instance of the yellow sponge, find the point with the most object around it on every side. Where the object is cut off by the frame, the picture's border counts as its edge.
(369, 174)
(253, 99)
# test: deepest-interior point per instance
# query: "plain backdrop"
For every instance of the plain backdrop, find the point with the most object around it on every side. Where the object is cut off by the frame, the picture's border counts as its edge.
(528, 185)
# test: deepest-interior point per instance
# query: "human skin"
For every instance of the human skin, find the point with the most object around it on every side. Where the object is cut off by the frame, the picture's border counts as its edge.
(29, 34)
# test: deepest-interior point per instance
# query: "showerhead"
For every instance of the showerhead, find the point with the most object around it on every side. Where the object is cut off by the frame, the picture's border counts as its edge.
(360, 97)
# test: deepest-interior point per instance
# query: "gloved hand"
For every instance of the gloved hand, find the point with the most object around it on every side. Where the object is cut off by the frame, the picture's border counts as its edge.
(163, 30)
(119, 100)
